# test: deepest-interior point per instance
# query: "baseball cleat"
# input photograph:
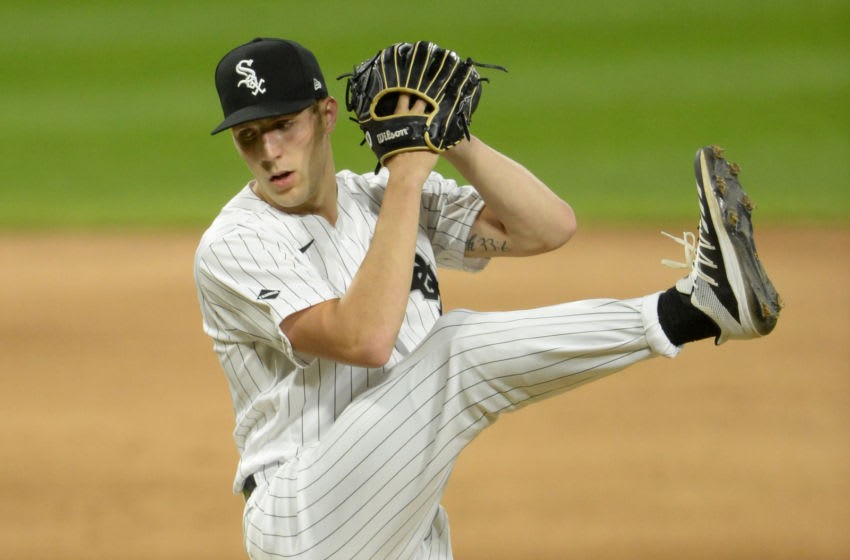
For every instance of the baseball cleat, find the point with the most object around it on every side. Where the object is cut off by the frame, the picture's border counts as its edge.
(727, 281)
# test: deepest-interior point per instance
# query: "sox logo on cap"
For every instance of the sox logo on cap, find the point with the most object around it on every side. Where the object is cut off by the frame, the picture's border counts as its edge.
(243, 68)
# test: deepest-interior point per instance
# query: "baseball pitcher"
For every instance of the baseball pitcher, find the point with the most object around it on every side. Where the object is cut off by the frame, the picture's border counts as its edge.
(353, 392)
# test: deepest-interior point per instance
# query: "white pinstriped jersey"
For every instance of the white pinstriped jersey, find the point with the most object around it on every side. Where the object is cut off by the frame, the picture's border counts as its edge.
(256, 265)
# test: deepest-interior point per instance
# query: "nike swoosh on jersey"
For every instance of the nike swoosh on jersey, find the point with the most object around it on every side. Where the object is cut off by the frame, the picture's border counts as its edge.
(307, 246)
(268, 294)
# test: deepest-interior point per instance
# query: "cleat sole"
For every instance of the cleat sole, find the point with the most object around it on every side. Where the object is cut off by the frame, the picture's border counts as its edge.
(731, 210)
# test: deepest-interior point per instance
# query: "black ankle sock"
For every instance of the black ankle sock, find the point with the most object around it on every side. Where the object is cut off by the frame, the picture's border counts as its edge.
(681, 321)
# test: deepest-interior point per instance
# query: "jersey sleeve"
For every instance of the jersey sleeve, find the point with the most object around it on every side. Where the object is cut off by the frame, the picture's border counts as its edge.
(248, 283)
(449, 211)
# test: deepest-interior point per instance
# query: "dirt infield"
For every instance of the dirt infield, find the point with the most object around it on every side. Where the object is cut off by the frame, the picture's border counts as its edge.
(116, 438)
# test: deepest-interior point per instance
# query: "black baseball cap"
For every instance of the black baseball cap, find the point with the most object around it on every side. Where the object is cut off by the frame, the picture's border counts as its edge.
(266, 78)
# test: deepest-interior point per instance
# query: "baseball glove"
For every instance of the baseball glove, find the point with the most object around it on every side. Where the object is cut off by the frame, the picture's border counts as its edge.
(450, 86)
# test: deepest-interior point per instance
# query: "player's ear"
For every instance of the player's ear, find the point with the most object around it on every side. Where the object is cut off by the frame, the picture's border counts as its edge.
(328, 111)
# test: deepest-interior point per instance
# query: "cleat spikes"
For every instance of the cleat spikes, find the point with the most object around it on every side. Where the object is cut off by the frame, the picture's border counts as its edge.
(732, 218)
(766, 311)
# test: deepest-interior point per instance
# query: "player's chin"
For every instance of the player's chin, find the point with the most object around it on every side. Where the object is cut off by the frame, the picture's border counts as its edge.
(290, 200)
(280, 196)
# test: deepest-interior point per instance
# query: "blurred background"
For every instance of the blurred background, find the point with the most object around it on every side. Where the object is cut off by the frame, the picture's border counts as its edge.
(108, 104)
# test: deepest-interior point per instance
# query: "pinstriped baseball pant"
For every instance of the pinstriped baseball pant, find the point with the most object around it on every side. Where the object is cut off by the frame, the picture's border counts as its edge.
(371, 488)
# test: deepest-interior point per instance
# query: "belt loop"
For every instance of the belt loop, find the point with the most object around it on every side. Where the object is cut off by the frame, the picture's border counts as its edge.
(248, 487)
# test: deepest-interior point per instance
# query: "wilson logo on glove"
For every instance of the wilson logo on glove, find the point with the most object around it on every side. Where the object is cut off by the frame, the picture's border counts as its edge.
(386, 136)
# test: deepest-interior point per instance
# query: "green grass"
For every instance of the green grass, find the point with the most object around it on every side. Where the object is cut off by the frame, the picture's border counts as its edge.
(107, 106)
